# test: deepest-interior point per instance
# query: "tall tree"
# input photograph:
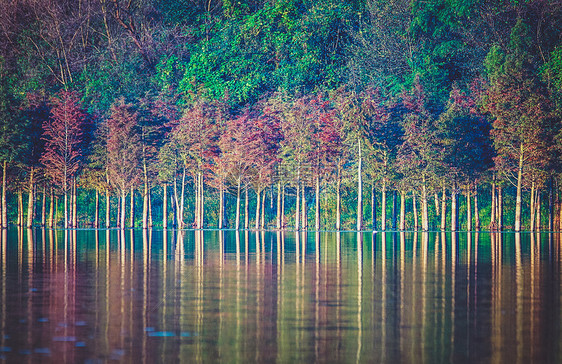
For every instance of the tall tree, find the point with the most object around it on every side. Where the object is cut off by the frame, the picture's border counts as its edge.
(63, 139)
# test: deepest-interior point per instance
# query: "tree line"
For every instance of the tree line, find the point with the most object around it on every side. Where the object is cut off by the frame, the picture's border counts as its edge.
(273, 114)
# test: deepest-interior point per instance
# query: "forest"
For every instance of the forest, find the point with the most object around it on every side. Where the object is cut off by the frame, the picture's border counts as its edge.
(271, 114)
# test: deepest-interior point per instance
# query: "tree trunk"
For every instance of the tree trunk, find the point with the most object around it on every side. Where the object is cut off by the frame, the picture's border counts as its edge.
(338, 200)
(247, 210)
(297, 208)
(283, 207)
(537, 210)
(383, 206)
(519, 186)
(150, 222)
(20, 208)
(373, 208)
(180, 206)
(123, 209)
(221, 207)
(476, 209)
(436, 201)
(454, 209)
(402, 210)
(532, 207)
(44, 208)
(359, 192)
(550, 206)
(238, 205)
(444, 209)
(279, 200)
(31, 200)
(317, 205)
(493, 215)
(4, 204)
(394, 203)
(132, 214)
(65, 209)
(468, 210)
(304, 209)
(262, 217)
(145, 204)
(499, 212)
(424, 206)
(107, 209)
(415, 210)
(97, 211)
(51, 209)
(74, 204)
(165, 206)
(258, 205)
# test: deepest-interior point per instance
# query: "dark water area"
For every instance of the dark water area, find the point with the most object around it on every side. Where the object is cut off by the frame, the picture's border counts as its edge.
(147, 297)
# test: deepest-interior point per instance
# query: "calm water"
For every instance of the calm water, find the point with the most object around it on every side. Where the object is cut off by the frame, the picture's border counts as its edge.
(97, 296)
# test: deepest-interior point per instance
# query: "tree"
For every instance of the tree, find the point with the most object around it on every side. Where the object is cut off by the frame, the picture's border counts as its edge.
(123, 150)
(63, 137)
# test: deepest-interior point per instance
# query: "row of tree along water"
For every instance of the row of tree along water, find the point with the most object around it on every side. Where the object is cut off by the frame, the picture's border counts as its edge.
(401, 115)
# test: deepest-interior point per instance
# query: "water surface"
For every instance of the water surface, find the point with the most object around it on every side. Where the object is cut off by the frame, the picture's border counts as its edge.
(147, 297)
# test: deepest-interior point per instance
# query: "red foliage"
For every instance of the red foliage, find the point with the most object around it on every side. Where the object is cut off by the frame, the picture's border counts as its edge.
(63, 136)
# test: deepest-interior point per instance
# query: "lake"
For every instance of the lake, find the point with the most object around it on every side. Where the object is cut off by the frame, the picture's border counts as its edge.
(220, 296)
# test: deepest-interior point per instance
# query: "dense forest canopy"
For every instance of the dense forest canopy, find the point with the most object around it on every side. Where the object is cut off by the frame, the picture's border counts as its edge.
(224, 112)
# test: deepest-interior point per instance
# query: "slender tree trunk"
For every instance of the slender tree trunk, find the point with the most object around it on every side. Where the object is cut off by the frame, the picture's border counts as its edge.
(20, 208)
(454, 210)
(238, 204)
(394, 210)
(476, 209)
(415, 210)
(123, 209)
(31, 200)
(402, 210)
(317, 203)
(383, 206)
(550, 206)
(51, 209)
(443, 208)
(424, 206)
(74, 204)
(493, 210)
(304, 209)
(532, 207)
(4, 204)
(182, 201)
(283, 207)
(262, 217)
(246, 210)
(519, 186)
(538, 210)
(132, 214)
(164, 206)
(258, 205)
(373, 208)
(65, 209)
(297, 208)
(338, 202)
(500, 208)
(44, 208)
(150, 222)
(97, 211)
(107, 209)
(468, 210)
(145, 204)
(359, 191)
(221, 207)
(436, 201)
(279, 216)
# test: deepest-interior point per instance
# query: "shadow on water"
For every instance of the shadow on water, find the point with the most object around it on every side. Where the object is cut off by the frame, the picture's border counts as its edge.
(168, 296)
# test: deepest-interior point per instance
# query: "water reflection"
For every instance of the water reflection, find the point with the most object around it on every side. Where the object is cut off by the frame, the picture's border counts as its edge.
(169, 296)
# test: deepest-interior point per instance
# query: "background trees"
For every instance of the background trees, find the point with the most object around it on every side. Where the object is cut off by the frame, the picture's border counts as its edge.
(283, 98)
